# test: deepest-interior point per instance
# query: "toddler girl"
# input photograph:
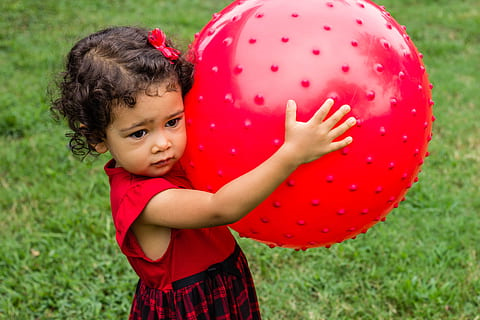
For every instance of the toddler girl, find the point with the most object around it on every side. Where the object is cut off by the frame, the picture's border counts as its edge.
(122, 92)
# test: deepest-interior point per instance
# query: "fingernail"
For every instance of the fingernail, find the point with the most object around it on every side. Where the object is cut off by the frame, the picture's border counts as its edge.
(346, 107)
(352, 121)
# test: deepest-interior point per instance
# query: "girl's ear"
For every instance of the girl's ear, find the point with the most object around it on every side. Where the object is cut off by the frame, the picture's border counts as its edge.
(100, 147)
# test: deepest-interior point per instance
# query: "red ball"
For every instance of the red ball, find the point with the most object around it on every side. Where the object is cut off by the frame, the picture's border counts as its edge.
(255, 55)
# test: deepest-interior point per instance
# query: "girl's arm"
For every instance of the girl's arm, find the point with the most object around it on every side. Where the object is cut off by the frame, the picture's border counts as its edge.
(304, 142)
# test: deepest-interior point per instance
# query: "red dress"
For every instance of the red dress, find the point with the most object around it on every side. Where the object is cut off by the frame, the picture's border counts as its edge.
(202, 275)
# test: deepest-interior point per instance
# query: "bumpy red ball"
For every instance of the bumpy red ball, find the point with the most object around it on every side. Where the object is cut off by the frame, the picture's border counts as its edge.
(253, 56)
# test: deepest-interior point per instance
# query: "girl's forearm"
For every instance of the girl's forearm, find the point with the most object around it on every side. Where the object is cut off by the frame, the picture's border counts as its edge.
(242, 195)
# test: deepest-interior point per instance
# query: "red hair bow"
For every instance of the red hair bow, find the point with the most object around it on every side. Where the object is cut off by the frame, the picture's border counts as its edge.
(157, 38)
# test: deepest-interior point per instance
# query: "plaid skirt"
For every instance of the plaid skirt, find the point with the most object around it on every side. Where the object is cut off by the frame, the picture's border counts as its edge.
(224, 291)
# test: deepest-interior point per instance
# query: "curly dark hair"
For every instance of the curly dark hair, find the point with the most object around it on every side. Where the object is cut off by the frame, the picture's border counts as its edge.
(110, 68)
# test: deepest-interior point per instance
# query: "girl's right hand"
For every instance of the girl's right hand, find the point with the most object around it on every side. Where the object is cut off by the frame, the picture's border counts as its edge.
(308, 141)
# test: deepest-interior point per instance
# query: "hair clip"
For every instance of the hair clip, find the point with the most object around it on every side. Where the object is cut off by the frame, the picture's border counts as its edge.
(157, 38)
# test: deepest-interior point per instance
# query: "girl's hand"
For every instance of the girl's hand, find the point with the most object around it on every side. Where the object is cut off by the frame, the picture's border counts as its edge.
(308, 141)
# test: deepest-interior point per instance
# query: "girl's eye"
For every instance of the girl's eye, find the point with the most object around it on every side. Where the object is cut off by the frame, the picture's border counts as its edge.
(173, 122)
(138, 134)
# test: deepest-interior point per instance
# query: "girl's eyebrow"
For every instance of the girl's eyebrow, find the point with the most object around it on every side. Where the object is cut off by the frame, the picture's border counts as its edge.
(173, 115)
(137, 124)
(144, 122)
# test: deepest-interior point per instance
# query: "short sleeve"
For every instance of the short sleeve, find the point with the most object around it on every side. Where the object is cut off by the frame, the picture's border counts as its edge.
(132, 203)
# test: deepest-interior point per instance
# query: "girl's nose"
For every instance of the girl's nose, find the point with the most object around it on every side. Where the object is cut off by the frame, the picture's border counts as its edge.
(161, 144)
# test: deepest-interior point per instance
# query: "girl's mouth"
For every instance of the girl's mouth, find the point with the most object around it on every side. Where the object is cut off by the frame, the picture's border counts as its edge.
(162, 163)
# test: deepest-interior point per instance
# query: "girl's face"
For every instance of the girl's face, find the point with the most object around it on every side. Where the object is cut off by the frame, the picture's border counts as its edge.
(150, 138)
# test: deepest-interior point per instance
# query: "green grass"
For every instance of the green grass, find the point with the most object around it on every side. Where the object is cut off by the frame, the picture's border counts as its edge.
(58, 256)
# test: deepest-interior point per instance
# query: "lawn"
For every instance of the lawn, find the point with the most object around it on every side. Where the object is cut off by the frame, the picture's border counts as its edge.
(58, 256)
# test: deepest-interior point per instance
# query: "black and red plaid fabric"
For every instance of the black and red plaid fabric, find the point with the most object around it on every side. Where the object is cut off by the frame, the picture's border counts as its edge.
(224, 291)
